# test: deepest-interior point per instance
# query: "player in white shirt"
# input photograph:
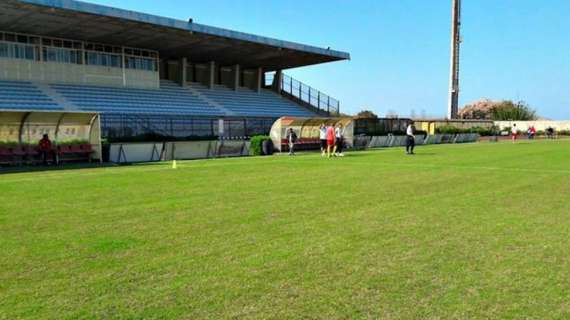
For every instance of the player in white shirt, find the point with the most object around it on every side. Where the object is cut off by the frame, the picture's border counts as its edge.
(514, 133)
(410, 138)
(323, 138)
(339, 138)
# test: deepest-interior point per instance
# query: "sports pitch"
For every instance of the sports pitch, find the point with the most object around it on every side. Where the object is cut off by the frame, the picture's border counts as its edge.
(455, 232)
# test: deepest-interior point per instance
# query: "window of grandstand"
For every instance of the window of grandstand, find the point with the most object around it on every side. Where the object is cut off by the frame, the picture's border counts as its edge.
(141, 59)
(16, 51)
(62, 55)
(18, 46)
(102, 55)
(102, 59)
(140, 63)
(62, 51)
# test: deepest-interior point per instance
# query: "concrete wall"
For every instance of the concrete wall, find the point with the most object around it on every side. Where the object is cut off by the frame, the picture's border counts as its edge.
(173, 72)
(539, 125)
(250, 79)
(135, 152)
(191, 150)
(227, 77)
(202, 74)
(27, 70)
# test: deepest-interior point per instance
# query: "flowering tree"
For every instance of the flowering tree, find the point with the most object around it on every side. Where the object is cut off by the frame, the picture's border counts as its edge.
(486, 109)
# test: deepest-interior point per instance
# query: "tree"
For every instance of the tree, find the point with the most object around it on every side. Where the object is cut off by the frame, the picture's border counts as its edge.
(498, 110)
(366, 114)
(509, 111)
(479, 110)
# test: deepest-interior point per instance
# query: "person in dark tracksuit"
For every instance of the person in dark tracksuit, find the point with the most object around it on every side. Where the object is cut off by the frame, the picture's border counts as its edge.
(410, 138)
(291, 139)
(45, 149)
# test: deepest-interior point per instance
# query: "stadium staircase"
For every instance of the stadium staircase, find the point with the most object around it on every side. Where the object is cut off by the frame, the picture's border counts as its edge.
(248, 103)
(209, 101)
(304, 95)
(57, 97)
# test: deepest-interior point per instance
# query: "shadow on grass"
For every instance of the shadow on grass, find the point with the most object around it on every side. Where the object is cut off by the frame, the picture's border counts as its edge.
(422, 154)
(64, 167)
(363, 153)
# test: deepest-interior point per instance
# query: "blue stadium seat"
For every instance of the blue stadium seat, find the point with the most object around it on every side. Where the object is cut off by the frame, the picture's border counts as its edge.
(18, 95)
(246, 102)
(169, 99)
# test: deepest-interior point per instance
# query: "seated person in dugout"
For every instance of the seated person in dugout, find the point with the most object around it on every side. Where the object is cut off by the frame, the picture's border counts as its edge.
(45, 148)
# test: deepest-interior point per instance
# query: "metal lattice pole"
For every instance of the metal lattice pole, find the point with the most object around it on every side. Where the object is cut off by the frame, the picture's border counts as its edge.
(453, 109)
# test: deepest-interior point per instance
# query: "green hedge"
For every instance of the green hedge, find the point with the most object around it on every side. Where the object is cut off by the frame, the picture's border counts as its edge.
(27, 144)
(73, 142)
(8, 144)
(256, 148)
(479, 130)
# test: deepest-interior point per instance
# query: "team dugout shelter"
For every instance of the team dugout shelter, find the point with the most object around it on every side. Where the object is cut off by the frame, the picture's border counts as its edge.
(151, 77)
(75, 136)
(308, 131)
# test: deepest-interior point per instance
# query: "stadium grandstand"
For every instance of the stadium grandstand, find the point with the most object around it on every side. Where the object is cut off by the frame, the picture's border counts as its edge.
(150, 75)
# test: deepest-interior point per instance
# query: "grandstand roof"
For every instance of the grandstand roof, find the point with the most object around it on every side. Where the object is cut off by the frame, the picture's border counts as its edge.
(172, 38)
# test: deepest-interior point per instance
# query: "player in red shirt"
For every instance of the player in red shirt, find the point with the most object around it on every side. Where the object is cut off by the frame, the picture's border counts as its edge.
(330, 140)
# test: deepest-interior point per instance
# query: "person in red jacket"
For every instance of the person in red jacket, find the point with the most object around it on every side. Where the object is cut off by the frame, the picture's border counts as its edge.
(330, 140)
(45, 148)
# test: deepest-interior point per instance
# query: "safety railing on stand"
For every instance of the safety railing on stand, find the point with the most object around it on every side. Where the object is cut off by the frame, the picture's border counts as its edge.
(305, 94)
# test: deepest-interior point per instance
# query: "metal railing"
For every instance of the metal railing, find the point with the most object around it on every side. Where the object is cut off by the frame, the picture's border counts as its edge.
(305, 94)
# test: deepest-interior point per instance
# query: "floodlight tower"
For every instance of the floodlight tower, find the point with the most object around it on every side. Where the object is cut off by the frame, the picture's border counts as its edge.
(453, 109)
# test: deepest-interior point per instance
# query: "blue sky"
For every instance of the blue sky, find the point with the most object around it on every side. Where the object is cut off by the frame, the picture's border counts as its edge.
(512, 49)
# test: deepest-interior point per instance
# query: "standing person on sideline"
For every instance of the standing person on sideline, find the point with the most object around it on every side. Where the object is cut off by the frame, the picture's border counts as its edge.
(292, 139)
(330, 140)
(339, 137)
(514, 133)
(410, 138)
(550, 133)
(323, 138)
(529, 133)
(45, 149)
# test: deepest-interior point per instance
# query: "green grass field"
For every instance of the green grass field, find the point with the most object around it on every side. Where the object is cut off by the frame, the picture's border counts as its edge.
(456, 232)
